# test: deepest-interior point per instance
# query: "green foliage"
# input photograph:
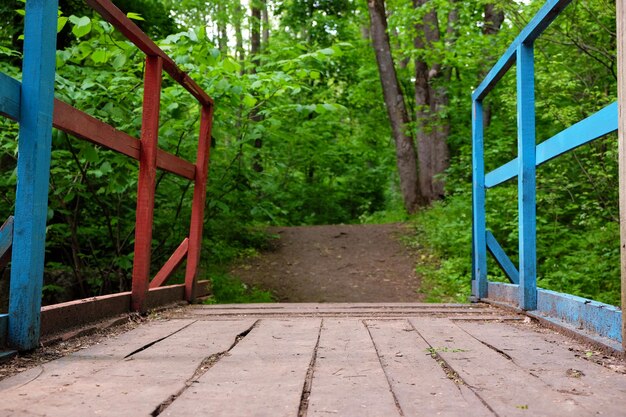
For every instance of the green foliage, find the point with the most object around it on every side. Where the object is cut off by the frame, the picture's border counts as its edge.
(326, 156)
(444, 245)
(302, 137)
(226, 289)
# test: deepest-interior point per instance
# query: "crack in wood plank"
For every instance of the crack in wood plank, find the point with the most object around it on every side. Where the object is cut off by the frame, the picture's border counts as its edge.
(206, 364)
(384, 368)
(308, 381)
(146, 346)
(490, 346)
(447, 368)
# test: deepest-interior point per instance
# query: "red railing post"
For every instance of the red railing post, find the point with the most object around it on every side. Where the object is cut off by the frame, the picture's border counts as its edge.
(147, 181)
(199, 199)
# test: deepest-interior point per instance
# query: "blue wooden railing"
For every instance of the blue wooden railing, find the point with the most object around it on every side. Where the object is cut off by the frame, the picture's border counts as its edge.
(601, 319)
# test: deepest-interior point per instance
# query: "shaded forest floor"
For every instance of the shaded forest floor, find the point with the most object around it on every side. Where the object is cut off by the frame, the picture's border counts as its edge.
(337, 263)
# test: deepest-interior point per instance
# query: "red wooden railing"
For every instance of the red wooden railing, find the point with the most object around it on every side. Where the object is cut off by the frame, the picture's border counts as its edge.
(150, 157)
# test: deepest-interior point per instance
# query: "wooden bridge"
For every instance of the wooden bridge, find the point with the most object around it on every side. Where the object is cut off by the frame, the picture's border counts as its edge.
(517, 350)
(320, 360)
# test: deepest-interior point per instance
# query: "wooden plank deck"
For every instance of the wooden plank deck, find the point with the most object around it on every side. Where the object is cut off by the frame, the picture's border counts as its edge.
(301, 360)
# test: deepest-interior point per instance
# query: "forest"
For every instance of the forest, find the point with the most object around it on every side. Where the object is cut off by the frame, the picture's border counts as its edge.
(327, 112)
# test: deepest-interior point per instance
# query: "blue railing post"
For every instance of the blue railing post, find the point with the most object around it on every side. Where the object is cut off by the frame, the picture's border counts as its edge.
(33, 173)
(479, 274)
(526, 176)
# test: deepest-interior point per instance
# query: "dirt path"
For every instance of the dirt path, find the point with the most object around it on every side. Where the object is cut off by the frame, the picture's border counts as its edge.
(353, 263)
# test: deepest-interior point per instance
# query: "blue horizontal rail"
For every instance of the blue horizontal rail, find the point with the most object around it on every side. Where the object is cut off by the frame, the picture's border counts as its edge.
(532, 31)
(593, 127)
(10, 90)
(501, 258)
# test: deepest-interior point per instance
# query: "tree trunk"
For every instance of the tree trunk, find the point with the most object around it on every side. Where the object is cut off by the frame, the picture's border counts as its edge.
(394, 100)
(222, 35)
(255, 32)
(237, 19)
(255, 50)
(266, 26)
(430, 103)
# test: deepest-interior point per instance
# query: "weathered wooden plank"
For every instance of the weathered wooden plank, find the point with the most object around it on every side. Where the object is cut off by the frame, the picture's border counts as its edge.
(33, 173)
(262, 376)
(599, 318)
(135, 386)
(348, 379)
(96, 357)
(420, 384)
(621, 96)
(526, 188)
(479, 248)
(508, 389)
(199, 197)
(547, 356)
(347, 308)
(147, 181)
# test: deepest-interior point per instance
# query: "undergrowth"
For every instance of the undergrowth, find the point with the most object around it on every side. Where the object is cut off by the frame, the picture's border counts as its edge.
(444, 249)
(226, 289)
(582, 260)
(231, 243)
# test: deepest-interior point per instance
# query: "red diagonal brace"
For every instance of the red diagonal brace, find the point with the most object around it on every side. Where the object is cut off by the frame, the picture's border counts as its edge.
(171, 265)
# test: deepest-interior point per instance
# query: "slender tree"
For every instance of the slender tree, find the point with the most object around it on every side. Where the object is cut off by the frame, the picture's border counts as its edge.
(431, 99)
(406, 157)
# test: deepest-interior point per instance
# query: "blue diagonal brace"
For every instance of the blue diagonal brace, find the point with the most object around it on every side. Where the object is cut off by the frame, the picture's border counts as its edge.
(502, 259)
(6, 241)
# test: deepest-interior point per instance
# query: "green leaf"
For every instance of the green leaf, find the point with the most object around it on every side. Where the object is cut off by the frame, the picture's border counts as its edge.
(134, 16)
(249, 101)
(99, 56)
(119, 61)
(61, 22)
(90, 154)
(82, 25)
(231, 65)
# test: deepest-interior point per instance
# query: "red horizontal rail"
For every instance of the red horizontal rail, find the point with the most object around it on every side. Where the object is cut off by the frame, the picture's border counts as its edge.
(171, 265)
(86, 127)
(129, 29)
